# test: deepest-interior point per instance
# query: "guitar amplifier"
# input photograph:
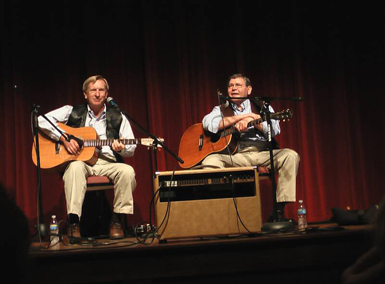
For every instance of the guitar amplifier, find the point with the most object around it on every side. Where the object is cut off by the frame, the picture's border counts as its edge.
(204, 203)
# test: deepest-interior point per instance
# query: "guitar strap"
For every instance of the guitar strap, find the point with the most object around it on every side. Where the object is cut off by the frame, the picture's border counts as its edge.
(256, 107)
(66, 135)
(227, 110)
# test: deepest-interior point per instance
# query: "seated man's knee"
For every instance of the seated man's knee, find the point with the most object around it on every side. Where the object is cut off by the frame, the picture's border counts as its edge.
(126, 176)
(292, 154)
(127, 171)
(75, 166)
(213, 160)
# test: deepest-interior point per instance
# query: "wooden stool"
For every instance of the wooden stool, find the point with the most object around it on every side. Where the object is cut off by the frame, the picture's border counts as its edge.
(99, 183)
(263, 171)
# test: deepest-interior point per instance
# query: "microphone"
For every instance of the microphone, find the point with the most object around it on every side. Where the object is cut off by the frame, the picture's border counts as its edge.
(112, 102)
(35, 108)
(222, 100)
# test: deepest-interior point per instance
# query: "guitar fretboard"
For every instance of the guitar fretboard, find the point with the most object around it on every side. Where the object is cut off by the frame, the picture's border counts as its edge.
(108, 142)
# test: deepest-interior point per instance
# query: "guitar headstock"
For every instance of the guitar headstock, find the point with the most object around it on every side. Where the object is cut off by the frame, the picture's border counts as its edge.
(283, 115)
(149, 142)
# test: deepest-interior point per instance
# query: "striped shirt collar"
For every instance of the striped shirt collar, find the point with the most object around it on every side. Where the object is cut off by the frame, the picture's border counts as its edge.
(92, 115)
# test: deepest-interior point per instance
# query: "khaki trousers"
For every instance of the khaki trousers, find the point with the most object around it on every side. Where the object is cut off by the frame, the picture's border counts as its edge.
(285, 163)
(75, 184)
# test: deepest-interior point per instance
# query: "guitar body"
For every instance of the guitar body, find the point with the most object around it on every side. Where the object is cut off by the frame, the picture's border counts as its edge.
(54, 156)
(196, 144)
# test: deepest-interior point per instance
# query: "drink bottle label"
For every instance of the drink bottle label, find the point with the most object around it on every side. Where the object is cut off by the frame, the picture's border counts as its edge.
(53, 227)
(301, 211)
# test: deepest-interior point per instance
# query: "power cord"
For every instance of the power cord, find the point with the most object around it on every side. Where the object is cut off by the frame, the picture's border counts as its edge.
(167, 213)
(144, 232)
(236, 206)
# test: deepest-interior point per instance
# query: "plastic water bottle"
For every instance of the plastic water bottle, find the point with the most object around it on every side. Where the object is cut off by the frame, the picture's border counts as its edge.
(301, 212)
(54, 229)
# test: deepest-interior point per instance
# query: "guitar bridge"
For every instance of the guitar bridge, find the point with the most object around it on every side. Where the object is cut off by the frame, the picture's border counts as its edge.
(200, 142)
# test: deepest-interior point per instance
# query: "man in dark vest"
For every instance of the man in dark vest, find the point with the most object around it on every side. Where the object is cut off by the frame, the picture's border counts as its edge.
(108, 123)
(253, 145)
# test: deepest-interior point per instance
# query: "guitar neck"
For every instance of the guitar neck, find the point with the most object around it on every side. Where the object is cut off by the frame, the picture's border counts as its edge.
(254, 122)
(109, 142)
(232, 129)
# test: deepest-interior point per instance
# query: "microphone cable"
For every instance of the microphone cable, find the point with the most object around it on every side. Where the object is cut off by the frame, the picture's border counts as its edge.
(232, 163)
(223, 124)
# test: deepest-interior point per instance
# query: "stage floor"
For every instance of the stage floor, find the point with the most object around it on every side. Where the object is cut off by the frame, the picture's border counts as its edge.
(318, 256)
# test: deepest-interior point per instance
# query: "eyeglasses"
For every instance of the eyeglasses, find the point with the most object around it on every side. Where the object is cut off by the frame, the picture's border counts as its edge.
(93, 91)
(237, 86)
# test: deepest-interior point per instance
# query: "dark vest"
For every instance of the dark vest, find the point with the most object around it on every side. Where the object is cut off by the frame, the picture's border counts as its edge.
(114, 119)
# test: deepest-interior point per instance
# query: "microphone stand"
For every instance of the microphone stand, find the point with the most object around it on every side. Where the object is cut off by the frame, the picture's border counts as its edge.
(35, 127)
(156, 140)
(273, 226)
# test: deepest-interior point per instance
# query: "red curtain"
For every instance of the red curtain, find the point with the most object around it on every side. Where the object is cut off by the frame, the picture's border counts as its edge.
(165, 60)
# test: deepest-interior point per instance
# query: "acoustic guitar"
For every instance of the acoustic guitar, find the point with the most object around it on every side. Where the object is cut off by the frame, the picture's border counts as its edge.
(54, 156)
(197, 143)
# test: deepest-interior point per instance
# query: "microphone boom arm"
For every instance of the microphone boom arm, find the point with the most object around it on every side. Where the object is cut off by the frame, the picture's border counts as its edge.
(156, 140)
